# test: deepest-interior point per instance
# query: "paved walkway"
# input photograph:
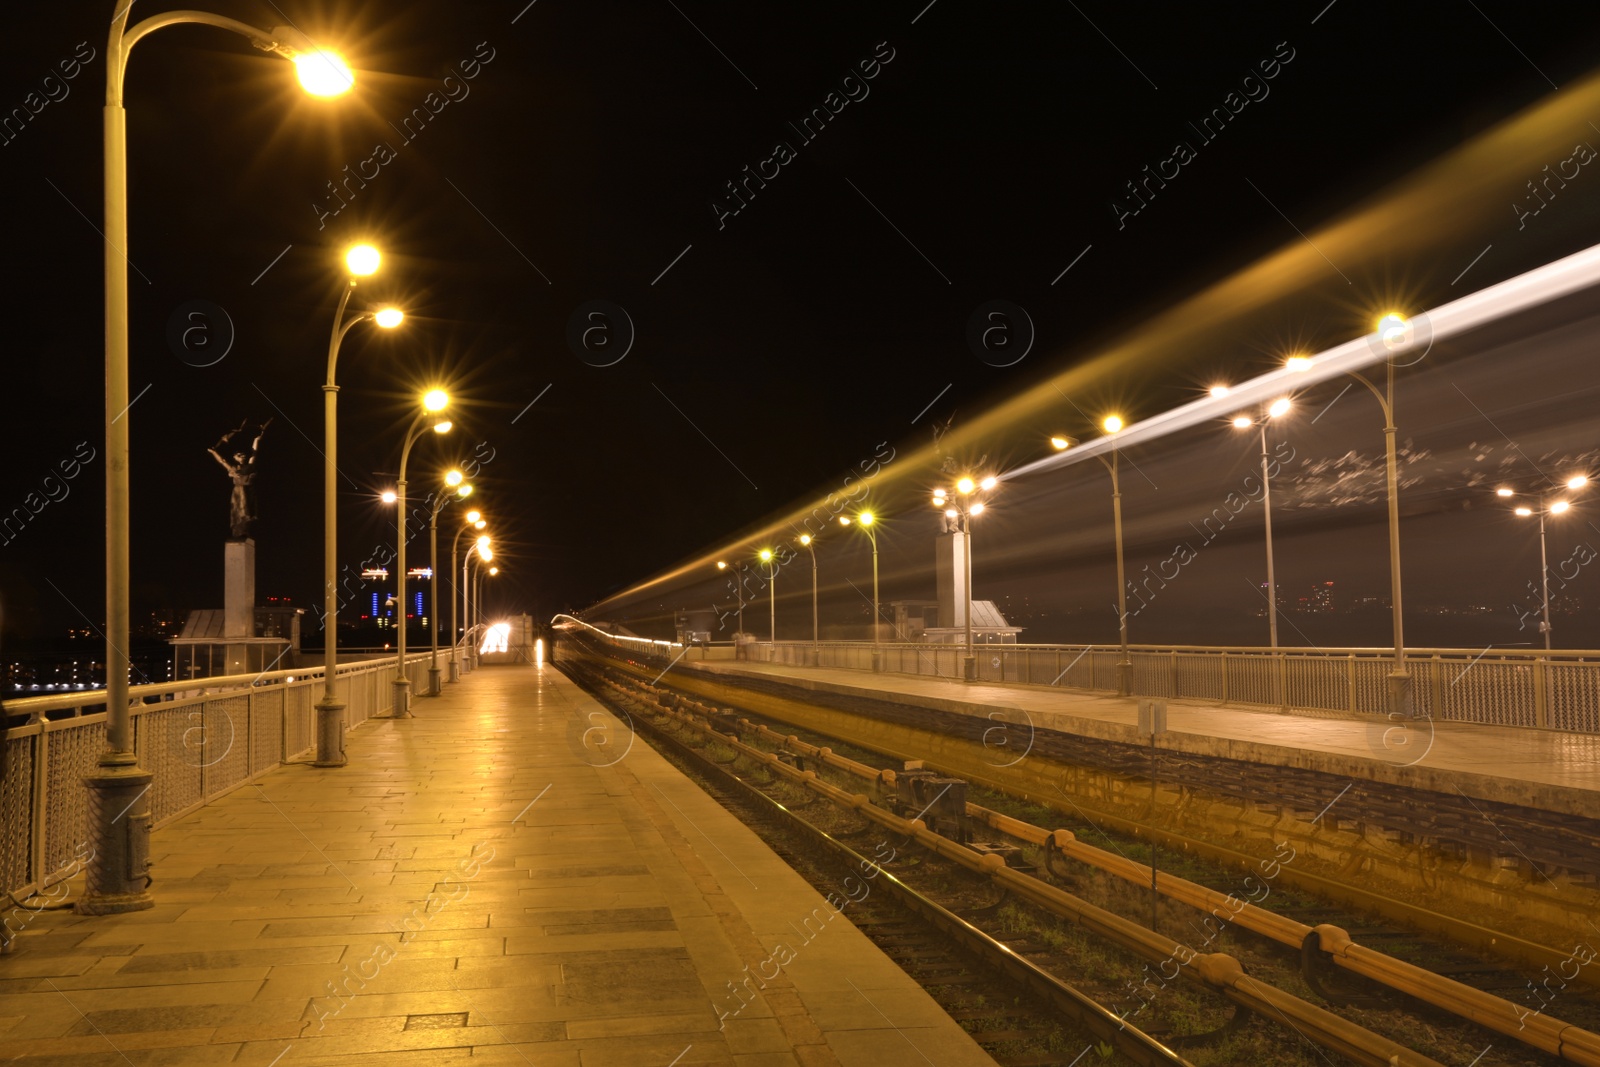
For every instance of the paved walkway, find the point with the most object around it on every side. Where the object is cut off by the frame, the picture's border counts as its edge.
(474, 888)
(1545, 769)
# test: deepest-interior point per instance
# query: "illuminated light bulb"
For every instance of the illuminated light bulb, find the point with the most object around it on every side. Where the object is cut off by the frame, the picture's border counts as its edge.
(453, 478)
(1559, 506)
(389, 496)
(866, 518)
(1524, 512)
(1220, 390)
(1243, 422)
(1502, 491)
(1577, 481)
(323, 73)
(977, 509)
(436, 400)
(389, 318)
(1298, 363)
(965, 486)
(362, 260)
(1280, 407)
(1112, 424)
(989, 483)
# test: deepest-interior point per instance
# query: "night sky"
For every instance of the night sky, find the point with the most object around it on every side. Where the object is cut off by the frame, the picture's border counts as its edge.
(816, 315)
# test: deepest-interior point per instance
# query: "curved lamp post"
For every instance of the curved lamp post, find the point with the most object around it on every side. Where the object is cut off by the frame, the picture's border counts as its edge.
(1393, 330)
(453, 480)
(485, 553)
(1277, 409)
(429, 419)
(772, 594)
(119, 807)
(809, 543)
(1112, 425)
(360, 261)
(959, 511)
(867, 521)
(472, 521)
(738, 567)
(1546, 507)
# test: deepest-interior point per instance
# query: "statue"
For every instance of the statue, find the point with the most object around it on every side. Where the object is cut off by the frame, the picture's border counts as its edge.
(241, 509)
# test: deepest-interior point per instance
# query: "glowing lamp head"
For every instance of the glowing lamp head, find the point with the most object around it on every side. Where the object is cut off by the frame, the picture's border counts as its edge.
(1393, 329)
(805, 540)
(977, 509)
(480, 524)
(1112, 424)
(722, 564)
(493, 571)
(1504, 492)
(483, 541)
(389, 496)
(485, 553)
(1298, 363)
(1220, 390)
(436, 400)
(442, 426)
(362, 260)
(464, 491)
(1559, 506)
(1061, 442)
(866, 518)
(1280, 407)
(951, 513)
(1524, 512)
(323, 73)
(1577, 481)
(389, 318)
(989, 483)
(474, 517)
(965, 486)
(766, 555)
(844, 520)
(453, 478)
(1243, 422)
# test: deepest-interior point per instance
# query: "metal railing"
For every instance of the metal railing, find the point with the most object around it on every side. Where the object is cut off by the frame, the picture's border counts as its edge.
(1557, 690)
(201, 739)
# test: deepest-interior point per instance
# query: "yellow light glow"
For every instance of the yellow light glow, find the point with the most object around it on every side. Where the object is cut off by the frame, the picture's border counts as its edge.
(1060, 442)
(989, 483)
(464, 491)
(1298, 363)
(805, 539)
(1559, 506)
(866, 518)
(965, 486)
(483, 541)
(362, 260)
(1112, 424)
(389, 496)
(480, 524)
(1280, 407)
(1220, 390)
(1243, 422)
(1503, 491)
(485, 553)
(951, 513)
(442, 426)
(977, 509)
(436, 400)
(493, 571)
(722, 565)
(453, 477)
(844, 520)
(324, 73)
(1577, 481)
(474, 516)
(389, 318)
(1393, 329)
(1524, 512)
(766, 555)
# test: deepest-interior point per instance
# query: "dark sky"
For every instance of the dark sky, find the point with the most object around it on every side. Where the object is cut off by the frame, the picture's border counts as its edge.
(774, 347)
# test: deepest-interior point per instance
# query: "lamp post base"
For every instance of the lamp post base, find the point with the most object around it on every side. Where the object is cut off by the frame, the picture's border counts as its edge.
(877, 661)
(455, 671)
(969, 668)
(402, 699)
(434, 689)
(1400, 696)
(1125, 678)
(330, 734)
(117, 875)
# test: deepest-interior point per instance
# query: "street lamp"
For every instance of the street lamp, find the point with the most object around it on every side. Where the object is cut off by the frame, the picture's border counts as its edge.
(472, 521)
(1392, 329)
(722, 565)
(772, 595)
(453, 480)
(360, 261)
(1546, 507)
(1276, 410)
(868, 522)
(430, 418)
(1112, 424)
(481, 547)
(959, 510)
(116, 879)
(809, 543)
(475, 594)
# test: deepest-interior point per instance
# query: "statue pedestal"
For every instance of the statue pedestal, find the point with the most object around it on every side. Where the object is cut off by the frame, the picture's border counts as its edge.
(239, 588)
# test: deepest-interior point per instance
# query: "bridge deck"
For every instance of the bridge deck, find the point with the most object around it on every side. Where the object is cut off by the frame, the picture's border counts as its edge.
(1543, 769)
(471, 889)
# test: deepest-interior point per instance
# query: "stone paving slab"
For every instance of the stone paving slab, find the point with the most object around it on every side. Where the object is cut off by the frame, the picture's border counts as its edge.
(1545, 769)
(476, 889)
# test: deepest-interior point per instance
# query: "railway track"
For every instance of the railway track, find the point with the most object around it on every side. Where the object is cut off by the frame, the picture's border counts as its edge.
(1206, 998)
